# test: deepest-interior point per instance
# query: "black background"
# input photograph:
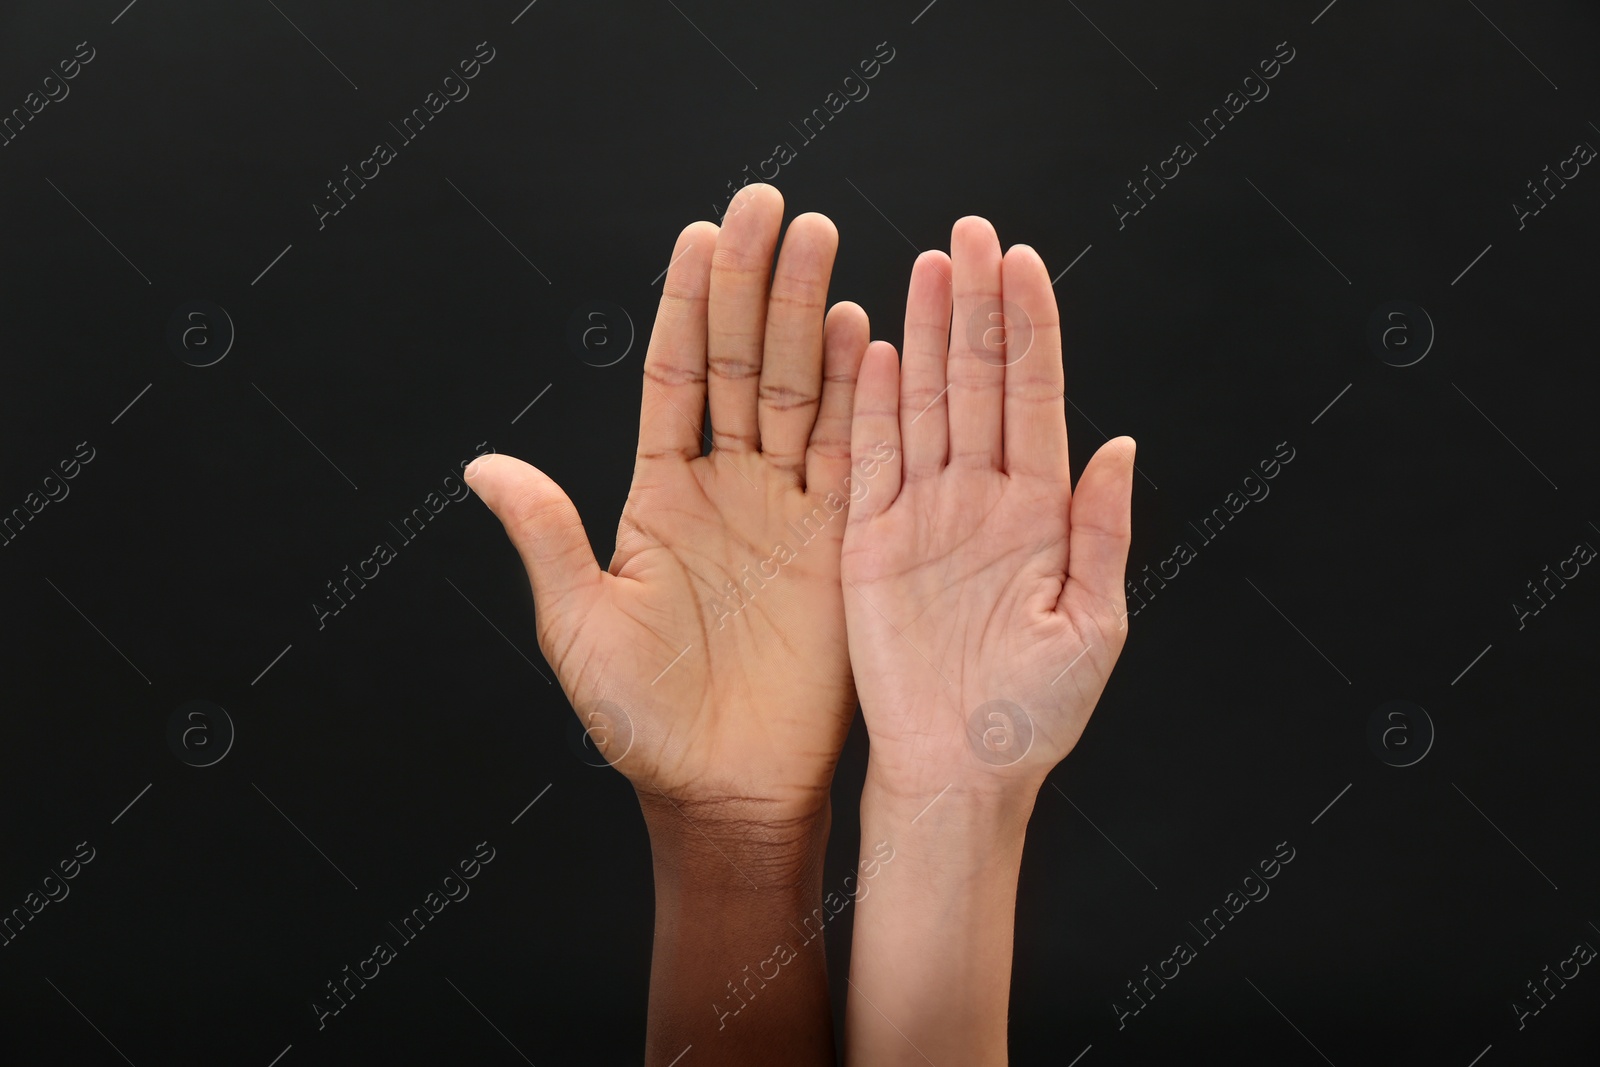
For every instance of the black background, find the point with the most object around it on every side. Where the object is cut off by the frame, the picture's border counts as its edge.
(1219, 322)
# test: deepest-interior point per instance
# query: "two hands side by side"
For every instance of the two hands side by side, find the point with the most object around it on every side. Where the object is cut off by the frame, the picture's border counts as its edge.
(900, 529)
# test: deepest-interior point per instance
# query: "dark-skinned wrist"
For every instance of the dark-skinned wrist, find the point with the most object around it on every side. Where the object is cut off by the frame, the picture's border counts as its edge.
(757, 845)
(738, 970)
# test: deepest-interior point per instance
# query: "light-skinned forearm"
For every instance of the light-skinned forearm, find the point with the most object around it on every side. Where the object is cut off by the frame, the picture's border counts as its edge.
(731, 888)
(930, 958)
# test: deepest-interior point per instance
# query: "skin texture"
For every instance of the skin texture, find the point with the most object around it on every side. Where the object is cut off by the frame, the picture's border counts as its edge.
(977, 575)
(708, 666)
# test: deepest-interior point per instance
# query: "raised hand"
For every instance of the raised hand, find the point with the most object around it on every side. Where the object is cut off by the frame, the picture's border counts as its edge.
(709, 663)
(984, 596)
(985, 607)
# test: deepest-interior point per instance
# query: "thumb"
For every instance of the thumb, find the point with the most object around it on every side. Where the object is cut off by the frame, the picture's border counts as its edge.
(1100, 521)
(544, 526)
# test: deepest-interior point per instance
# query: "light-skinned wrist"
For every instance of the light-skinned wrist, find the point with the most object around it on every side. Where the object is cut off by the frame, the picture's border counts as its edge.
(960, 825)
(984, 792)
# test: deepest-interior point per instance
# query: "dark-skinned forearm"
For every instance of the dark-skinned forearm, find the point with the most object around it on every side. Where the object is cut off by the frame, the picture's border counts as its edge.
(732, 972)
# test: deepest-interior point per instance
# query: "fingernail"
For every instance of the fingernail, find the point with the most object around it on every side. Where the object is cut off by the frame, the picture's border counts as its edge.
(472, 468)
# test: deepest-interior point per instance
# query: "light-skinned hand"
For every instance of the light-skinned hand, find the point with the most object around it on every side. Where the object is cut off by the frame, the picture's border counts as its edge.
(984, 595)
(985, 606)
